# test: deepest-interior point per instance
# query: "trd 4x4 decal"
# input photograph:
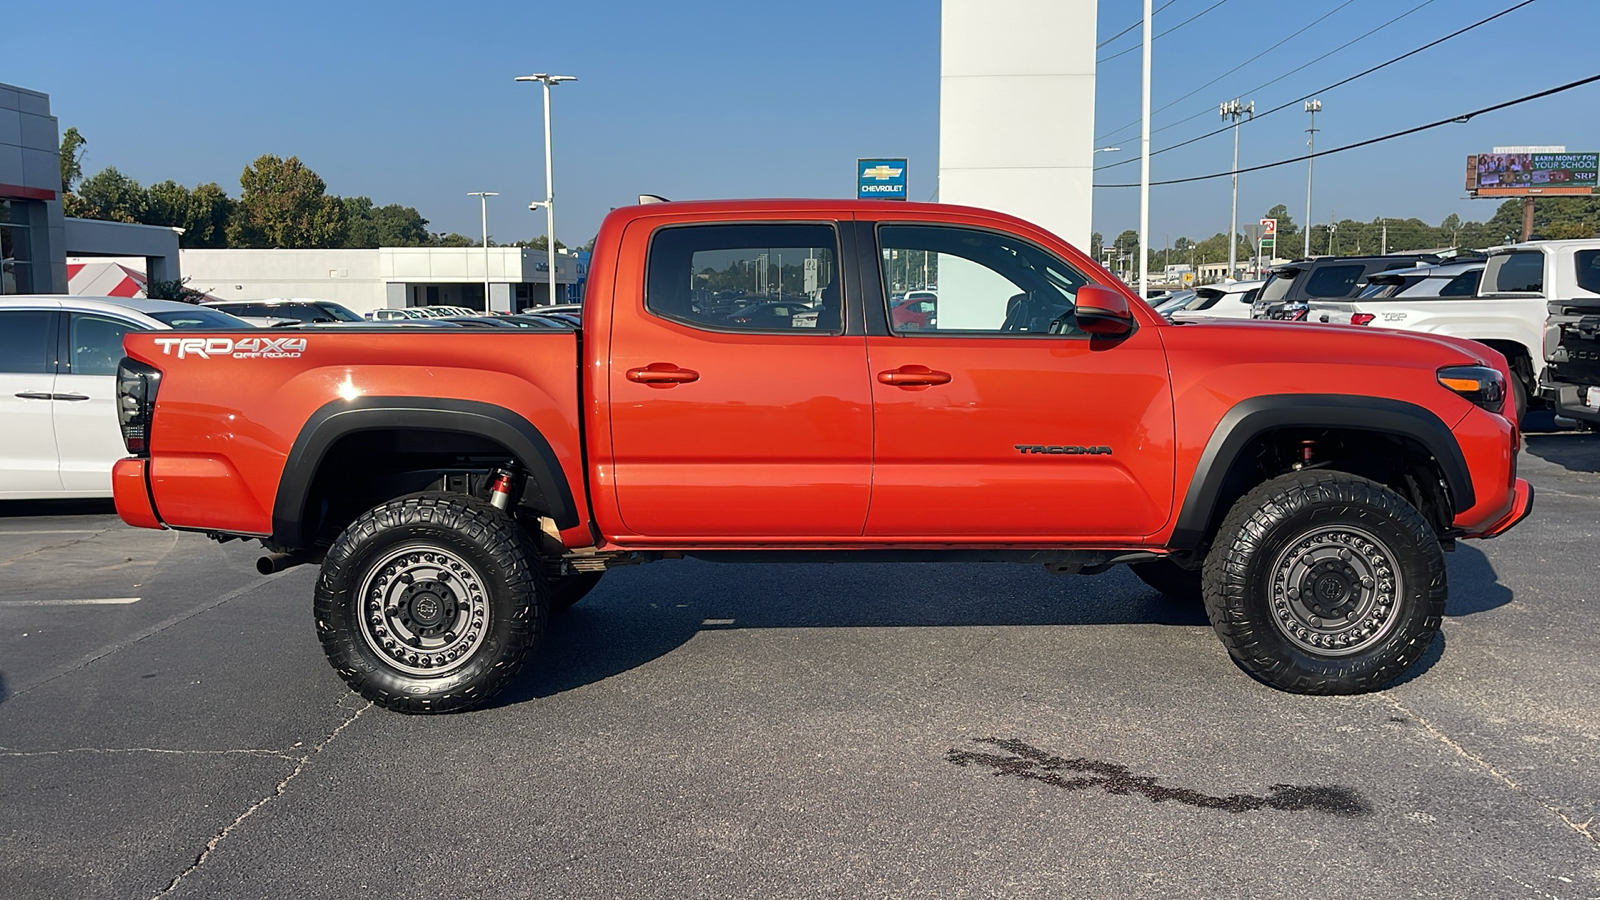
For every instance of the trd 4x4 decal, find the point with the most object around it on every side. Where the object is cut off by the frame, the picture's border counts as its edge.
(240, 348)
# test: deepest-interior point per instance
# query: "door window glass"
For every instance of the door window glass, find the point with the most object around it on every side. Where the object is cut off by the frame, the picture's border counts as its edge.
(1463, 285)
(95, 347)
(782, 278)
(1334, 281)
(1589, 270)
(1521, 273)
(25, 341)
(961, 280)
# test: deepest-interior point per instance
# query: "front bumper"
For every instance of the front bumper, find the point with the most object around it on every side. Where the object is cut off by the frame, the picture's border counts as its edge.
(1521, 506)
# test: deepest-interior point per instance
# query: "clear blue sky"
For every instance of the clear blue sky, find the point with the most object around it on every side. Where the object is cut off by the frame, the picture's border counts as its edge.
(414, 103)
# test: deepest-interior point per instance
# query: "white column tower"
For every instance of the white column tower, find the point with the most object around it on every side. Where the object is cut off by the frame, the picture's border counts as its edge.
(1016, 110)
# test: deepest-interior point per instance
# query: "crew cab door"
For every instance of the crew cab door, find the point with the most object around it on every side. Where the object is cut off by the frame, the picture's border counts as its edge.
(1003, 419)
(739, 403)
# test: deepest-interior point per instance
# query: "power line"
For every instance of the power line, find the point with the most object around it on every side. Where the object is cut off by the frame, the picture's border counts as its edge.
(1165, 33)
(1336, 84)
(1133, 26)
(1247, 62)
(1453, 120)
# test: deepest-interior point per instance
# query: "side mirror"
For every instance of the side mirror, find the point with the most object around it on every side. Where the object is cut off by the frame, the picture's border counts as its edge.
(1103, 311)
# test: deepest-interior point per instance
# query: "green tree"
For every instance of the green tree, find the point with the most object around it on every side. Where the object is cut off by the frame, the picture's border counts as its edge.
(71, 159)
(360, 231)
(1290, 242)
(167, 203)
(206, 224)
(383, 226)
(540, 243)
(112, 196)
(1097, 243)
(285, 204)
(456, 240)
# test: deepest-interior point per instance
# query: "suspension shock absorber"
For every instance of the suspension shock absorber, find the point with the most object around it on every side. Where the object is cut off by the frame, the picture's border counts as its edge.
(502, 487)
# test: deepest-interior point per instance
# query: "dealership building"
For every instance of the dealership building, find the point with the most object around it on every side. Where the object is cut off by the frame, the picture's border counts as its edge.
(390, 277)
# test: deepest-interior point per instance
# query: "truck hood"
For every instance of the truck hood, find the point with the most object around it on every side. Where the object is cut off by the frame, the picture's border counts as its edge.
(1342, 343)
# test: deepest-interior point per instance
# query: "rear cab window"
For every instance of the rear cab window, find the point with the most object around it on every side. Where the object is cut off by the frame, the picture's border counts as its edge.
(1334, 281)
(1520, 272)
(747, 277)
(199, 317)
(1588, 263)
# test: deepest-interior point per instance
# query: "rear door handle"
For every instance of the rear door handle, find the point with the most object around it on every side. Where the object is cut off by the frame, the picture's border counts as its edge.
(662, 375)
(35, 395)
(913, 377)
(69, 396)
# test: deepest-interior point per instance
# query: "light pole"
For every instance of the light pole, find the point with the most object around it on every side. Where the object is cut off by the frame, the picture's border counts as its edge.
(1108, 149)
(483, 203)
(1235, 110)
(549, 185)
(1313, 107)
(1144, 162)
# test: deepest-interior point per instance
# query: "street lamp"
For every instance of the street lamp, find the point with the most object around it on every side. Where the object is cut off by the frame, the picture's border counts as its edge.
(1144, 160)
(549, 186)
(1235, 110)
(483, 203)
(1108, 149)
(1313, 107)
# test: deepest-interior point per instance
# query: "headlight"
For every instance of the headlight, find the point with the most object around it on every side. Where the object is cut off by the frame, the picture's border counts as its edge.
(1480, 384)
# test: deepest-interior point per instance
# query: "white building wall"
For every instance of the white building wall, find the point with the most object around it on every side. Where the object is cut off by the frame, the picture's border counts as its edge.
(348, 277)
(1016, 110)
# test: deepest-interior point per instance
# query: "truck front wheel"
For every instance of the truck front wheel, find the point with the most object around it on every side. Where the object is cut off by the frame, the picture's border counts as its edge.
(430, 603)
(1321, 582)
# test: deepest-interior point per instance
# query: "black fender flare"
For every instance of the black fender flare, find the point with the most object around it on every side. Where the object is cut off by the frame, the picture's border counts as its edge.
(1249, 419)
(341, 418)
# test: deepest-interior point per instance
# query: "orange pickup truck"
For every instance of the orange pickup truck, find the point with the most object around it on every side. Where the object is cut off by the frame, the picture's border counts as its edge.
(738, 390)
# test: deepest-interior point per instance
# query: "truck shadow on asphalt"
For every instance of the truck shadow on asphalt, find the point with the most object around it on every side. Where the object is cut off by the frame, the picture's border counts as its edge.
(16, 509)
(641, 614)
(1574, 451)
(3, 692)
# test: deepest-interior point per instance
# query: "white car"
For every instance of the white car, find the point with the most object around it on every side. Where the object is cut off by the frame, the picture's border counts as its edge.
(1219, 301)
(58, 387)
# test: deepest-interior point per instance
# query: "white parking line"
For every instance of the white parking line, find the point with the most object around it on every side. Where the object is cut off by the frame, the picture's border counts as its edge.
(103, 601)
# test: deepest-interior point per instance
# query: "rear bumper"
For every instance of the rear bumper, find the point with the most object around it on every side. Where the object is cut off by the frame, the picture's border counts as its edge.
(131, 490)
(1568, 401)
(1521, 506)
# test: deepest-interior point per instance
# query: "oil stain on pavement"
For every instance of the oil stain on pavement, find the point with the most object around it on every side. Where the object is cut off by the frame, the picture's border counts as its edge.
(1032, 764)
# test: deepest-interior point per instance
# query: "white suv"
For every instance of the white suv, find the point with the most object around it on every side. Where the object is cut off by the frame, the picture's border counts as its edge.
(58, 386)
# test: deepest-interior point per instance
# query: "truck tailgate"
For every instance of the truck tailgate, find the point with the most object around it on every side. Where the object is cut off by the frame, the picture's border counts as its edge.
(1331, 312)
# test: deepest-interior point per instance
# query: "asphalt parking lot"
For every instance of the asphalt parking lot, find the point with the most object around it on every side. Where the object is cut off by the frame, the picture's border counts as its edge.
(702, 730)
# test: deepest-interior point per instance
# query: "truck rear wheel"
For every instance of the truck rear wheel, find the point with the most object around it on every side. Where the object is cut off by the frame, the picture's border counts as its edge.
(1322, 582)
(430, 603)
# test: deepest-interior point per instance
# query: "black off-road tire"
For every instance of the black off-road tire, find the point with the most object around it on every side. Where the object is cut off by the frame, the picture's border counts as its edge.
(566, 590)
(430, 603)
(1292, 543)
(1171, 579)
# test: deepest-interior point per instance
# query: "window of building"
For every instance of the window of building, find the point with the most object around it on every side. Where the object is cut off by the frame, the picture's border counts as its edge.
(946, 279)
(16, 260)
(25, 341)
(781, 278)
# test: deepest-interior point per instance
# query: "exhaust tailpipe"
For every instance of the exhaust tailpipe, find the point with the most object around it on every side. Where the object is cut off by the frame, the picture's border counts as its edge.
(273, 563)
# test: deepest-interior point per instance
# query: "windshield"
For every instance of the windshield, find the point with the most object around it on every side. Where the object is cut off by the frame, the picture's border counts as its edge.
(199, 317)
(339, 313)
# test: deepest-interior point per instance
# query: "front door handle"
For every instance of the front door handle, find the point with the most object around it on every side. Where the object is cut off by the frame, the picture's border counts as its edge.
(913, 377)
(662, 375)
(35, 395)
(69, 396)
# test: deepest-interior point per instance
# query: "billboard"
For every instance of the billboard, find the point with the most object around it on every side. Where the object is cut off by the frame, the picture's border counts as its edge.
(1532, 174)
(880, 179)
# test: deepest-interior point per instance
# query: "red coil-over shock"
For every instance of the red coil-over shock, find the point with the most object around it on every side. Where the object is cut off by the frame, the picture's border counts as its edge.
(502, 485)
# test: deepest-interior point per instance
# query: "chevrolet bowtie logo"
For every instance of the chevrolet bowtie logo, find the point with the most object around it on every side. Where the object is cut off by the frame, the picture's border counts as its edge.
(881, 173)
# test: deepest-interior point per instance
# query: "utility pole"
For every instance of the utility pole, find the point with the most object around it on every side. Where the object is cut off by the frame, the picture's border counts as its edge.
(1234, 110)
(1384, 247)
(1313, 107)
(1527, 218)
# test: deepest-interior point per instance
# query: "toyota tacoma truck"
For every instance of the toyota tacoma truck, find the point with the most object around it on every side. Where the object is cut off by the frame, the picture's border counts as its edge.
(457, 487)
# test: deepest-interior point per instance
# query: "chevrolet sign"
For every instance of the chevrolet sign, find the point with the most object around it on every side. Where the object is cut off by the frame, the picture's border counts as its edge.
(880, 179)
